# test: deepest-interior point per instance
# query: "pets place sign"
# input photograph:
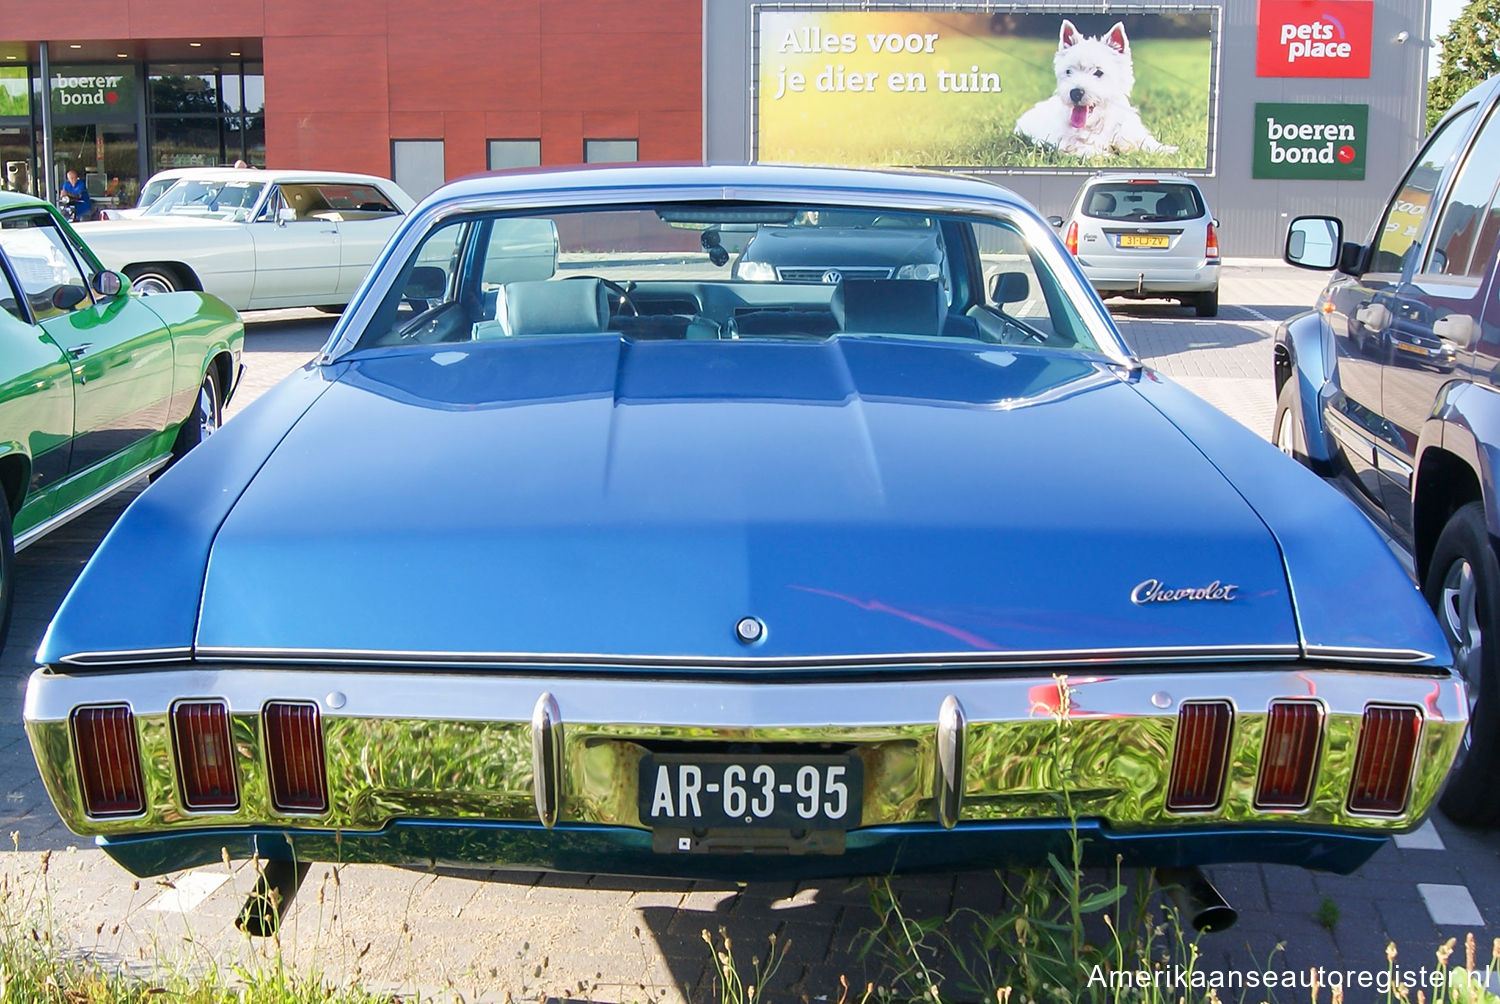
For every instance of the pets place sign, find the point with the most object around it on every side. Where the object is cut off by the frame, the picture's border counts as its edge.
(1326, 142)
(1313, 38)
(1014, 90)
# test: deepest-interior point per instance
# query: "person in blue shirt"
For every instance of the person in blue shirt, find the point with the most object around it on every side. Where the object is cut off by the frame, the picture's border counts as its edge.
(76, 189)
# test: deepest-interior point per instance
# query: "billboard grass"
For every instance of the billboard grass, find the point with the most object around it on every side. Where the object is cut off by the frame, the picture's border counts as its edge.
(978, 130)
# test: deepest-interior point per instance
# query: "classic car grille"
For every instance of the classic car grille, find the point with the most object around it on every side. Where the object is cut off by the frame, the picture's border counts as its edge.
(816, 274)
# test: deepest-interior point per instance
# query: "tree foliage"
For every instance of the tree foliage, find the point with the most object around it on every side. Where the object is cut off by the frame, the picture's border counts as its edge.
(1471, 54)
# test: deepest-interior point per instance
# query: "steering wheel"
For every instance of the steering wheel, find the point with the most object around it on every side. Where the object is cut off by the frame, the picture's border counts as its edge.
(621, 294)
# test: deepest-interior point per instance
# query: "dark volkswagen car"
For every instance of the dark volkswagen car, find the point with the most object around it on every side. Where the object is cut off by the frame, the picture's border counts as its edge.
(1390, 385)
(830, 245)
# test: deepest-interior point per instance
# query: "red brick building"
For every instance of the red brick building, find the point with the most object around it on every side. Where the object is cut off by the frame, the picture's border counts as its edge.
(350, 84)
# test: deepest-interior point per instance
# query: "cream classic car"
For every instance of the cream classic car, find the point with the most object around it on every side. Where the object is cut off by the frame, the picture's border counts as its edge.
(257, 239)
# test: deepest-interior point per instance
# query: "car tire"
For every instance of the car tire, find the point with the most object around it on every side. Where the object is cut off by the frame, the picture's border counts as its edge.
(204, 420)
(148, 280)
(1463, 588)
(7, 569)
(1207, 304)
(331, 308)
(1284, 430)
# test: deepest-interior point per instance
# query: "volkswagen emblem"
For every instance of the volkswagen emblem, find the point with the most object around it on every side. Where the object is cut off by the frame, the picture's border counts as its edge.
(833, 276)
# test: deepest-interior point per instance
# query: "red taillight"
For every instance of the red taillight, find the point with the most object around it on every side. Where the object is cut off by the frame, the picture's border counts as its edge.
(294, 754)
(1199, 756)
(1289, 758)
(1383, 764)
(109, 761)
(1071, 240)
(205, 756)
(1213, 242)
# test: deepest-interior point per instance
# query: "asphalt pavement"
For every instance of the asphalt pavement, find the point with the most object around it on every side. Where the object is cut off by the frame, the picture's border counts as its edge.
(527, 935)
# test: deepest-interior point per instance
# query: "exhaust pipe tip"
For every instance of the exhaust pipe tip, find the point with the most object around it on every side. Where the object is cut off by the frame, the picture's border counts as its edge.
(272, 897)
(1196, 899)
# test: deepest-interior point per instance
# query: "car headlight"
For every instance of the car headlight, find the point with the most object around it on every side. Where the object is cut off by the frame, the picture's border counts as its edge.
(926, 270)
(756, 271)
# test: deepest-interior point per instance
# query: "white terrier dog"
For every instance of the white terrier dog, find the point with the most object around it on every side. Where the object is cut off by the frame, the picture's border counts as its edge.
(1090, 114)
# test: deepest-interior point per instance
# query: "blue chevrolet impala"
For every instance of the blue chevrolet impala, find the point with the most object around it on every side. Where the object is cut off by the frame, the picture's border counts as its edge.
(650, 569)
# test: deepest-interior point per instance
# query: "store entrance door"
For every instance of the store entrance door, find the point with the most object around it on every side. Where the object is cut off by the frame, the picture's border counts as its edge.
(18, 168)
(106, 155)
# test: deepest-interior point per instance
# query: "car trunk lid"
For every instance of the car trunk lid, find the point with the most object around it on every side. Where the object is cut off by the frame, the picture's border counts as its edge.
(597, 500)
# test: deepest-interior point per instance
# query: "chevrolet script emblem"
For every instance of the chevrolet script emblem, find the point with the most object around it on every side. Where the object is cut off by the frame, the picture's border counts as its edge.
(1154, 591)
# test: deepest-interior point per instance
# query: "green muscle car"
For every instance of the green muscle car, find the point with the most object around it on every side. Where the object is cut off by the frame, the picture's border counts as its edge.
(98, 386)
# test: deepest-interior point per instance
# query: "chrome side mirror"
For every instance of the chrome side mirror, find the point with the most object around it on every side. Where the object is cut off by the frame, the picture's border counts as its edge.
(285, 215)
(108, 283)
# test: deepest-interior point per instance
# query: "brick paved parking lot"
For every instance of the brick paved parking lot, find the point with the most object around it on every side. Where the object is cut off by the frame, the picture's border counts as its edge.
(581, 936)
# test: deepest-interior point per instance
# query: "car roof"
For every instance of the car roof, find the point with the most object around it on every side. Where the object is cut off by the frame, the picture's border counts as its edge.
(284, 175)
(726, 181)
(10, 200)
(1151, 176)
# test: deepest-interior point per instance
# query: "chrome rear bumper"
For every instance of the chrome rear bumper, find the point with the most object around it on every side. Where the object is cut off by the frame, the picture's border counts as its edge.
(520, 751)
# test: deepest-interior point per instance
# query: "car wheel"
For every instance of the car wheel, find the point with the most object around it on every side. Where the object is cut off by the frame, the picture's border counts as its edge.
(147, 280)
(7, 569)
(1463, 587)
(205, 419)
(1207, 304)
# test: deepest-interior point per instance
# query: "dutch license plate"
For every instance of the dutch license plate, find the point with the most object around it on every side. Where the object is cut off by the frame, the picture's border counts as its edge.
(782, 791)
(1415, 349)
(1143, 241)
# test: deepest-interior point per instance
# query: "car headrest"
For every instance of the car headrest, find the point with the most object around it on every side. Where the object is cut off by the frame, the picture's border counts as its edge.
(1101, 202)
(1169, 205)
(552, 307)
(897, 306)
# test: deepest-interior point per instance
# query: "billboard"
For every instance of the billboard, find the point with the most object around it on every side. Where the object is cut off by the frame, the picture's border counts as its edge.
(1313, 38)
(1311, 141)
(1000, 90)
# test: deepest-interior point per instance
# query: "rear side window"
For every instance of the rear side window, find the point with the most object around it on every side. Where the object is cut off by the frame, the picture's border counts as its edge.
(1137, 202)
(1407, 212)
(1464, 239)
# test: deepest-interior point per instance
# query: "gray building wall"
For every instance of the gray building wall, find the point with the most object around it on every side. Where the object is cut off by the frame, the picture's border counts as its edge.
(1253, 213)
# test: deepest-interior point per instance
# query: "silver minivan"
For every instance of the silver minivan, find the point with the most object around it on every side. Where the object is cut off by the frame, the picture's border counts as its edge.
(1144, 235)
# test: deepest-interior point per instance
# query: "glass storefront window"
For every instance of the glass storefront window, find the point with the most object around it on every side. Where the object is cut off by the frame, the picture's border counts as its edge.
(13, 91)
(184, 90)
(255, 89)
(185, 142)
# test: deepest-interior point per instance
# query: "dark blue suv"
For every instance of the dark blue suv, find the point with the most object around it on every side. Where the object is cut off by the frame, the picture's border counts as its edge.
(1391, 385)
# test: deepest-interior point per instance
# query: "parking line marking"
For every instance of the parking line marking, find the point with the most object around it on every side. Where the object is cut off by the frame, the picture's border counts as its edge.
(191, 889)
(1450, 905)
(1423, 838)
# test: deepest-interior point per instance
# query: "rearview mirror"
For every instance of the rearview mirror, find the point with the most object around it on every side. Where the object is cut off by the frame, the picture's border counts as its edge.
(1009, 287)
(285, 215)
(1056, 221)
(1314, 242)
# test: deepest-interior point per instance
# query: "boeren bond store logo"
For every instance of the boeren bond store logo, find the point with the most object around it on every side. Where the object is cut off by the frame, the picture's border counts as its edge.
(1311, 141)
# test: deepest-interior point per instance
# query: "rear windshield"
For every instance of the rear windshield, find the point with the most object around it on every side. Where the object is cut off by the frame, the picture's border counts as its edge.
(1146, 202)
